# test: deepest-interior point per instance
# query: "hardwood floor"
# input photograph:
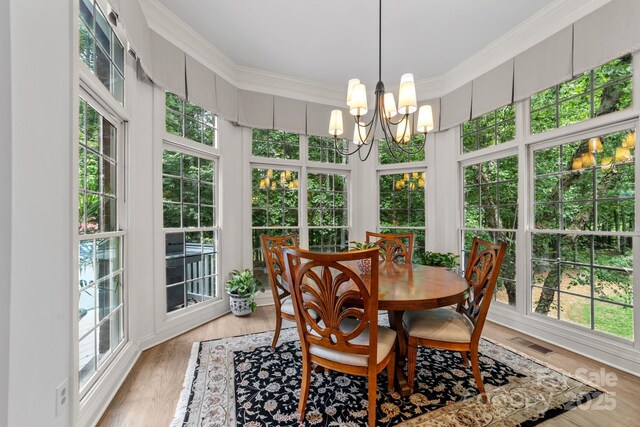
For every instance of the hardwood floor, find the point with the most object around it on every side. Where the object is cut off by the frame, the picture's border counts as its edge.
(149, 394)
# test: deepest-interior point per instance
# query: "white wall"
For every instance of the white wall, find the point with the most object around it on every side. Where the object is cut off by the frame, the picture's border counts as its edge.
(443, 208)
(140, 204)
(41, 293)
(233, 170)
(5, 206)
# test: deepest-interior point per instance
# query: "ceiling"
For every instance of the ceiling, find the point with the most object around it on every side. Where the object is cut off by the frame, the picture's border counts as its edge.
(331, 41)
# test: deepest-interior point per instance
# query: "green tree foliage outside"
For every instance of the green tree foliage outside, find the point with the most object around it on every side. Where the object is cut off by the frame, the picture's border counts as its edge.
(402, 206)
(189, 120)
(274, 209)
(491, 213)
(585, 186)
(96, 172)
(388, 154)
(188, 191)
(275, 144)
(493, 128)
(601, 91)
(322, 149)
(327, 215)
(100, 49)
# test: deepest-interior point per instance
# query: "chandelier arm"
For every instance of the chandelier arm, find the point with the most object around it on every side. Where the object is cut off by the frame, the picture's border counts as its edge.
(385, 124)
(391, 122)
(417, 150)
(370, 126)
(388, 139)
(343, 152)
(368, 153)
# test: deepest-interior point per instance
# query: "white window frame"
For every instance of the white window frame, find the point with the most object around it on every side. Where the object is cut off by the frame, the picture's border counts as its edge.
(347, 185)
(401, 168)
(494, 152)
(170, 323)
(105, 107)
(604, 347)
(303, 166)
(635, 235)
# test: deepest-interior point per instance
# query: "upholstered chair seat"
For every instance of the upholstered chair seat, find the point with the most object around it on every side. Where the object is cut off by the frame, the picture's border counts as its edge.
(287, 306)
(386, 342)
(439, 324)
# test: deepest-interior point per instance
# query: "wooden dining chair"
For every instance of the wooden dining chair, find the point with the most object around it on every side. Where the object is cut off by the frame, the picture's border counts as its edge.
(345, 335)
(395, 247)
(459, 330)
(272, 250)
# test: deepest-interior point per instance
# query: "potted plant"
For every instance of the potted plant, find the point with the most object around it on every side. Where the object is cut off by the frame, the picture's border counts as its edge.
(441, 259)
(242, 288)
(364, 265)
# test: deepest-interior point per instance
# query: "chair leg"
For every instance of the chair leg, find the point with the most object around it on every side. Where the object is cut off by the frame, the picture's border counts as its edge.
(276, 334)
(304, 390)
(372, 383)
(465, 358)
(476, 373)
(391, 372)
(412, 357)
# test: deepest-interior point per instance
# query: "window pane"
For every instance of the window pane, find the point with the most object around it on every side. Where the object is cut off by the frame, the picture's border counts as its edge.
(259, 266)
(275, 144)
(601, 91)
(188, 183)
(100, 49)
(277, 191)
(189, 202)
(497, 217)
(189, 120)
(322, 149)
(613, 319)
(328, 239)
(402, 206)
(413, 151)
(495, 127)
(594, 276)
(87, 48)
(595, 181)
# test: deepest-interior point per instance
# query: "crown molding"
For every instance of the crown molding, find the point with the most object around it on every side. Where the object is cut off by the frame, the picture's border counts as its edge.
(164, 22)
(538, 27)
(533, 30)
(290, 87)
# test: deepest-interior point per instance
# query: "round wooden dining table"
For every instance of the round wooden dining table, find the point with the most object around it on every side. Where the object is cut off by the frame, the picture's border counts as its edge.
(404, 287)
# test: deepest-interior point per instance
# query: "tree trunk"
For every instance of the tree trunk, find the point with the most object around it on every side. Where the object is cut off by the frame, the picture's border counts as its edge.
(552, 280)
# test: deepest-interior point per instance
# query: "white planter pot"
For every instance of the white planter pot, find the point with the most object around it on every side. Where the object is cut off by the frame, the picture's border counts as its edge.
(240, 305)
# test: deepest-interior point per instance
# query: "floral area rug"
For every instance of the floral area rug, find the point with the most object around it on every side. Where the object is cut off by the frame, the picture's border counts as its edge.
(239, 381)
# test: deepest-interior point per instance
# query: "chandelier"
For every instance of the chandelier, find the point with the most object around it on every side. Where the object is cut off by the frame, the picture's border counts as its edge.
(384, 113)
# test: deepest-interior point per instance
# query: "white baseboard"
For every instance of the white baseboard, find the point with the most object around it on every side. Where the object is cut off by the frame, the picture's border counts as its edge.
(96, 401)
(265, 298)
(611, 351)
(178, 326)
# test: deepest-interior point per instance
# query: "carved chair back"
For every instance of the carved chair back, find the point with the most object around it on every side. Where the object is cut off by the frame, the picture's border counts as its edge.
(273, 258)
(326, 291)
(482, 271)
(395, 247)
